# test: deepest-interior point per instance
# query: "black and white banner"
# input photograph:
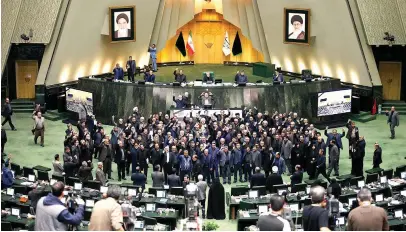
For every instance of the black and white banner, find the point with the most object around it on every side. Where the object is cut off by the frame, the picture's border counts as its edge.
(334, 102)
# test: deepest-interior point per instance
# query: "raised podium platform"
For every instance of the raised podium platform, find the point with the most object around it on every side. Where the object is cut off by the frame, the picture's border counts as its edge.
(119, 98)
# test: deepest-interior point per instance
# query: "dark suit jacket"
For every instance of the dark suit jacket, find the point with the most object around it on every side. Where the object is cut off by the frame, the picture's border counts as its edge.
(116, 34)
(131, 65)
(105, 153)
(118, 155)
(394, 120)
(296, 178)
(180, 78)
(172, 159)
(258, 179)
(206, 79)
(377, 159)
(158, 179)
(273, 179)
(174, 181)
(139, 179)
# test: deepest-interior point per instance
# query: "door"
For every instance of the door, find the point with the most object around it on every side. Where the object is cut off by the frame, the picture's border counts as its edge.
(391, 73)
(26, 76)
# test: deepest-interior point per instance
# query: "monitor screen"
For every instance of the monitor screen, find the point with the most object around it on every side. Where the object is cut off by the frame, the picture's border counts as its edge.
(166, 186)
(403, 193)
(150, 207)
(10, 191)
(77, 186)
(132, 192)
(89, 203)
(161, 193)
(334, 102)
(31, 178)
(79, 101)
(403, 175)
(52, 181)
(378, 197)
(399, 213)
(139, 224)
(294, 207)
(307, 190)
(123, 190)
(262, 209)
(383, 179)
(253, 194)
(65, 193)
(281, 191)
(15, 211)
(103, 189)
(351, 200)
(341, 221)
(361, 183)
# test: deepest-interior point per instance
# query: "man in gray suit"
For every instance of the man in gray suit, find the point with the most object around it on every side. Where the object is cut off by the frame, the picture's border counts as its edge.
(100, 176)
(286, 151)
(201, 193)
(393, 121)
(256, 158)
(334, 157)
(158, 178)
(58, 169)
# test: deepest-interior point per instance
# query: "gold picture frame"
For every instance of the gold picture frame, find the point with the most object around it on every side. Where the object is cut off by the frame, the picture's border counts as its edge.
(296, 26)
(122, 16)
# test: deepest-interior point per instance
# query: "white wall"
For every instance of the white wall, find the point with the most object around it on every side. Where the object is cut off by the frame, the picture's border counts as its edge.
(82, 50)
(335, 51)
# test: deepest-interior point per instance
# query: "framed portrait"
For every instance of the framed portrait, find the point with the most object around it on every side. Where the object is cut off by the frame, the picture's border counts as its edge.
(297, 26)
(122, 23)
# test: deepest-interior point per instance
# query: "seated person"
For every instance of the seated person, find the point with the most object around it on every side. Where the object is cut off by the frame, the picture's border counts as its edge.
(278, 76)
(236, 76)
(207, 77)
(206, 99)
(334, 188)
(176, 72)
(181, 78)
(118, 72)
(149, 77)
(242, 78)
(85, 171)
(7, 177)
(258, 179)
(180, 102)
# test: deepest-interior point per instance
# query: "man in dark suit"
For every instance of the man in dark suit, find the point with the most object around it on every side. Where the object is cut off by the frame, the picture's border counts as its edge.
(142, 159)
(321, 165)
(106, 157)
(120, 160)
(207, 77)
(118, 72)
(139, 178)
(131, 68)
(273, 179)
(296, 177)
(334, 188)
(150, 77)
(167, 162)
(6, 113)
(242, 78)
(334, 157)
(377, 158)
(122, 21)
(352, 136)
(181, 78)
(155, 155)
(393, 121)
(258, 179)
(3, 140)
(158, 179)
(173, 179)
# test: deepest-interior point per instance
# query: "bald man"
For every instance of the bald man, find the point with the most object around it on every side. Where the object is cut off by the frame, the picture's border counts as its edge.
(315, 216)
(393, 121)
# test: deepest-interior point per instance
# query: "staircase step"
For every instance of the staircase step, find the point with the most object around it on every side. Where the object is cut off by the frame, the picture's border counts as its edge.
(17, 110)
(400, 107)
(393, 103)
(22, 107)
(363, 117)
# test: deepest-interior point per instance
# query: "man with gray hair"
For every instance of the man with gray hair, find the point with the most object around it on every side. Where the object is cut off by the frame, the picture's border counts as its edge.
(393, 121)
(107, 214)
(100, 176)
(367, 216)
(201, 193)
(315, 216)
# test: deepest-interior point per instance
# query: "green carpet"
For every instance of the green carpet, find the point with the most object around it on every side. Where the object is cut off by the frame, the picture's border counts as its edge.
(21, 145)
(193, 72)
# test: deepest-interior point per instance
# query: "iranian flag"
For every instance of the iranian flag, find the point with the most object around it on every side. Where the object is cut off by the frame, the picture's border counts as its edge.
(190, 48)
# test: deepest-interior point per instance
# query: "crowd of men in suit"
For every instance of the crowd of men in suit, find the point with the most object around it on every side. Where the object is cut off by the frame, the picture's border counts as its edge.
(247, 147)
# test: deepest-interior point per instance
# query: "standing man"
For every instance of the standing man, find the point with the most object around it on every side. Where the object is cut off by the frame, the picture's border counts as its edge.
(185, 164)
(118, 72)
(130, 68)
(100, 176)
(6, 113)
(225, 164)
(315, 216)
(357, 167)
(119, 159)
(106, 156)
(39, 127)
(274, 220)
(367, 217)
(377, 158)
(152, 54)
(334, 157)
(286, 151)
(352, 136)
(168, 160)
(107, 213)
(201, 193)
(393, 121)
(321, 165)
(235, 162)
